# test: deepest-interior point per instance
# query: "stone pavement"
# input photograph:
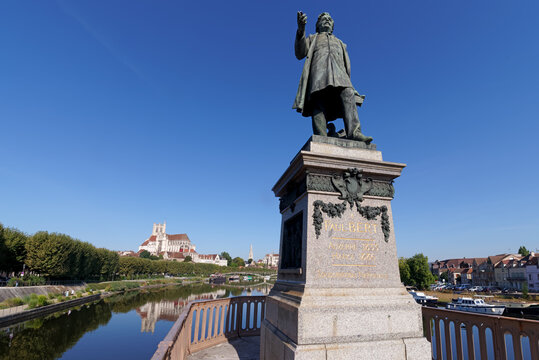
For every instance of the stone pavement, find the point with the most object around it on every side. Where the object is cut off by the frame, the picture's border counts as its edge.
(246, 348)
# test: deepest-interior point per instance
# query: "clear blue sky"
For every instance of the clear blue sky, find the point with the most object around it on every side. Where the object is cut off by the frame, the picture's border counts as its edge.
(118, 114)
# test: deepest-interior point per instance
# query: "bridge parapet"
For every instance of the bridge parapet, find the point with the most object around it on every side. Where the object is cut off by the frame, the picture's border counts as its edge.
(204, 324)
(479, 336)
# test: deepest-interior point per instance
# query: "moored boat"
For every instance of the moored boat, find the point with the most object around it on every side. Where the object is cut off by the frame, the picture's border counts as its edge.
(423, 299)
(475, 305)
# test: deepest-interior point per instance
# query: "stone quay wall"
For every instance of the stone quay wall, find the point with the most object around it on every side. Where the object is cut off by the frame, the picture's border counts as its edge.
(21, 291)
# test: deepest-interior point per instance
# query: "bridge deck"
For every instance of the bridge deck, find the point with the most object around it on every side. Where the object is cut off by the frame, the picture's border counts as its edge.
(246, 348)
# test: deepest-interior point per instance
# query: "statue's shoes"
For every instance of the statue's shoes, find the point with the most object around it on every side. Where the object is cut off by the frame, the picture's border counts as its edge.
(358, 136)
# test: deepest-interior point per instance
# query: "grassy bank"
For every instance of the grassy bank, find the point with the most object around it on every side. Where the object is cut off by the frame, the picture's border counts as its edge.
(33, 300)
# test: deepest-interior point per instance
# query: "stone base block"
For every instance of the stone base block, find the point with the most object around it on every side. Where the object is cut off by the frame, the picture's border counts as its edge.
(275, 346)
(325, 316)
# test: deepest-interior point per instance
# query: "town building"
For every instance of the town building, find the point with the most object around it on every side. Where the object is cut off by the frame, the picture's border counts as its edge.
(176, 247)
(511, 272)
(160, 242)
(271, 260)
(456, 267)
(532, 273)
(483, 273)
(129, 253)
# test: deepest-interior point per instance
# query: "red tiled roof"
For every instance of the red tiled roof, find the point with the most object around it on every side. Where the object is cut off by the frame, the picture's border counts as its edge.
(176, 255)
(178, 237)
(151, 238)
(479, 261)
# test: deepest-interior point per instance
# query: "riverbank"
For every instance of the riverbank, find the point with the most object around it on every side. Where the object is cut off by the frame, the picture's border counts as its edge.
(22, 291)
(18, 314)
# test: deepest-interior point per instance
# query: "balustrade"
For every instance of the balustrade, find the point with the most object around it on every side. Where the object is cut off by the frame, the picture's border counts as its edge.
(204, 324)
(463, 335)
(453, 334)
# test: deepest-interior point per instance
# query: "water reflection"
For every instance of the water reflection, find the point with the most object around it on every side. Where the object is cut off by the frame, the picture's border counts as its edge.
(169, 310)
(123, 326)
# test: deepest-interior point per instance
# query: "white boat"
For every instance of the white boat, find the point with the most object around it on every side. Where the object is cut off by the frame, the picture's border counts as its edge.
(423, 299)
(475, 305)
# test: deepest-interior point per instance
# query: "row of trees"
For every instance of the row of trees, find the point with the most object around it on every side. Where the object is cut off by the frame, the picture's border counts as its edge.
(236, 262)
(59, 256)
(55, 255)
(132, 267)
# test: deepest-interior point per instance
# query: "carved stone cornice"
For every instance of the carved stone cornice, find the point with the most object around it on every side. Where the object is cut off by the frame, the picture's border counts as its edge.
(323, 182)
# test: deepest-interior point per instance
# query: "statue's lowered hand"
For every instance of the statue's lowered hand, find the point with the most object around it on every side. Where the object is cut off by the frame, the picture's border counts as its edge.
(359, 98)
(302, 20)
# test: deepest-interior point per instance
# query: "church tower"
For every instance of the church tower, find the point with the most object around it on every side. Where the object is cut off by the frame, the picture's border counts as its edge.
(159, 231)
(251, 253)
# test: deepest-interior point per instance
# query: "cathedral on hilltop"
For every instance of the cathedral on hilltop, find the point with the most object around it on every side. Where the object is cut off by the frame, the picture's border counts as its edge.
(175, 247)
(160, 242)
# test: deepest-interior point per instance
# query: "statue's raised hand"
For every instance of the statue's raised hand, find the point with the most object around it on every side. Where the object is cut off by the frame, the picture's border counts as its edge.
(302, 20)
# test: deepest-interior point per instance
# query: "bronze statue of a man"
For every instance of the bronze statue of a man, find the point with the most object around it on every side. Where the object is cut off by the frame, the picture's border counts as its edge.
(325, 90)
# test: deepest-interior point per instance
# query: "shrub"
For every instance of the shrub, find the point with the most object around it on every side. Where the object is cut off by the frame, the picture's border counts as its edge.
(51, 295)
(525, 291)
(28, 298)
(32, 280)
(32, 303)
(15, 301)
(42, 300)
(79, 294)
(13, 281)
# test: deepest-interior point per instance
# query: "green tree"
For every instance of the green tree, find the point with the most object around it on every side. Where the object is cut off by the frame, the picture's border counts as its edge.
(109, 263)
(145, 254)
(404, 271)
(420, 275)
(225, 255)
(49, 254)
(444, 276)
(15, 242)
(523, 251)
(188, 258)
(3, 251)
(237, 262)
(525, 290)
(249, 261)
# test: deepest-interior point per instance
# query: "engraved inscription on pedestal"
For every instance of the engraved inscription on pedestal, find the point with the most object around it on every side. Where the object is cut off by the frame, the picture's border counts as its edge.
(292, 237)
(350, 246)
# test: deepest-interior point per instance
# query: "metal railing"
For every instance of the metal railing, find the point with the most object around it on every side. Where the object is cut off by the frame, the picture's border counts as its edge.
(463, 335)
(207, 323)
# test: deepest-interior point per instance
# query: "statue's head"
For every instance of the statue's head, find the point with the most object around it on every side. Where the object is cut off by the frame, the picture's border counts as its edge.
(324, 23)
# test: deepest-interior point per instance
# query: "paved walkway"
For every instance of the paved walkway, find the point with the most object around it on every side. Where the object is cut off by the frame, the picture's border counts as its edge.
(246, 348)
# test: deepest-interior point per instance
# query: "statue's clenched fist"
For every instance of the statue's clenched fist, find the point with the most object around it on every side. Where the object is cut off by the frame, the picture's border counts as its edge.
(302, 20)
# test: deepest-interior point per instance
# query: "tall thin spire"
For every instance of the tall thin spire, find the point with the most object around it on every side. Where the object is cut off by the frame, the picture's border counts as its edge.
(251, 252)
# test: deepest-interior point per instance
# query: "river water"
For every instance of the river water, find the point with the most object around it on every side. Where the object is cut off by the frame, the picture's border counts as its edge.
(125, 326)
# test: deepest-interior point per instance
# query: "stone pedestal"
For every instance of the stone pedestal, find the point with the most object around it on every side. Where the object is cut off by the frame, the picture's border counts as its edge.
(338, 293)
